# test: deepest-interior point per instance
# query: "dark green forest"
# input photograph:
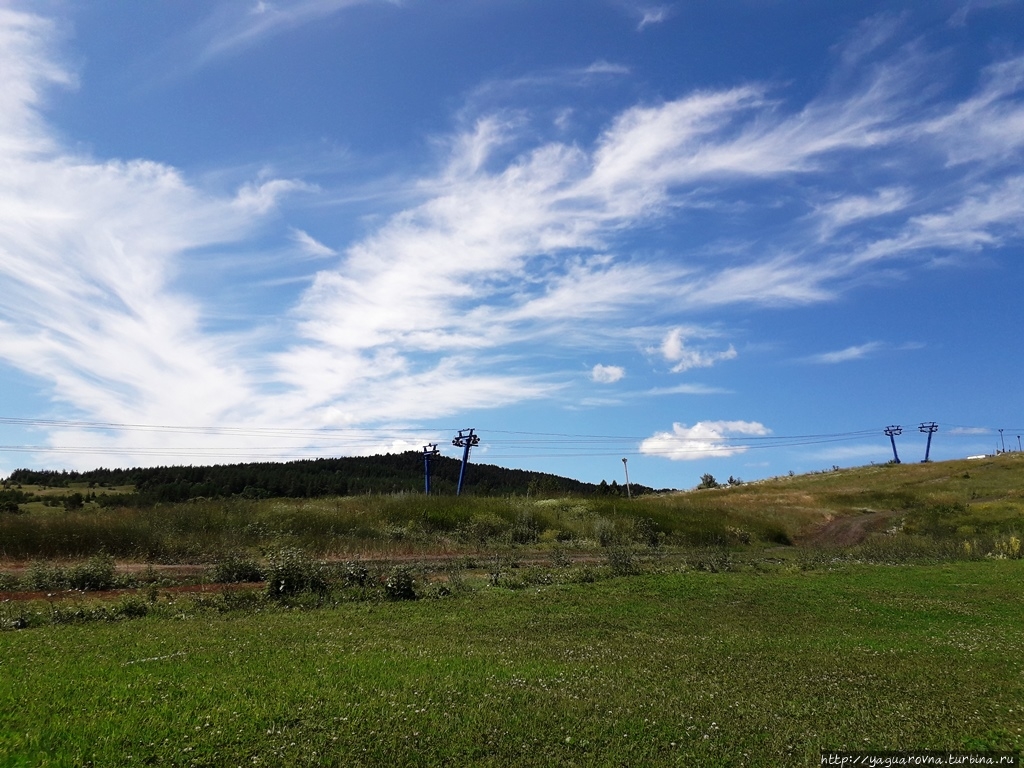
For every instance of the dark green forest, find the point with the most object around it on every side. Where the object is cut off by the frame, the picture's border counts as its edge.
(309, 478)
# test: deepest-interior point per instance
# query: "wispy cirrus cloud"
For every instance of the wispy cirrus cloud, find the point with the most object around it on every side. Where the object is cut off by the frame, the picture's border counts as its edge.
(971, 431)
(857, 352)
(515, 244)
(28, 53)
(853, 209)
(654, 14)
(310, 245)
(687, 389)
(233, 27)
(860, 352)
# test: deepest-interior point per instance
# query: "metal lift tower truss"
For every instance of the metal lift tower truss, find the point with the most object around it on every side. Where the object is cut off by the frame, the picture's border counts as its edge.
(931, 428)
(429, 453)
(892, 431)
(466, 439)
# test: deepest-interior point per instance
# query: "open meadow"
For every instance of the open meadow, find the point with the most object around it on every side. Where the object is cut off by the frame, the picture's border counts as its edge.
(870, 609)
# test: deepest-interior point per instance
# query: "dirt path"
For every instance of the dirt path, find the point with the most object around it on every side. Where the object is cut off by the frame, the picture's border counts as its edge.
(848, 530)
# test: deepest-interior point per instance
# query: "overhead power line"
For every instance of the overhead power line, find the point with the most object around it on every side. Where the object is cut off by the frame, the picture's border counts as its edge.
(286, 443)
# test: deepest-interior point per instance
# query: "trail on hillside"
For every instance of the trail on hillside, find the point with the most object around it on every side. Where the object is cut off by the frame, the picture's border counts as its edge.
(847, 530)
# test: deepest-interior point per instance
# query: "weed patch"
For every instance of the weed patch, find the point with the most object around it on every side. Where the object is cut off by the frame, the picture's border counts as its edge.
(290, 571)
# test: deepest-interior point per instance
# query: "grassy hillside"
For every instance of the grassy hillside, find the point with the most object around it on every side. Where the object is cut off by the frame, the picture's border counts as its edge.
(975, 504)
(951, 498)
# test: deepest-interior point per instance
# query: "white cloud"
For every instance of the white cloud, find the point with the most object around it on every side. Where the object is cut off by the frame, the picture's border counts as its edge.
(310, 245)
(970, 431)
(27, 56)
(981, 217)
(606, 68)
(688, 389)
(675, 350)
(502, 249)
(89, 251)
(653, 15)
(857, 352)
(607, 374)
(233, 27)
(705, 439)
(263, 197)
(855, 208)
(989, 125)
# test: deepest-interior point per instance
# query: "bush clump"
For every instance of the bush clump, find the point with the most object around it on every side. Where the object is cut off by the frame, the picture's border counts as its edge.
(356, 574)
(621, 561)
(96, 574)
(43, 576)
(291, 572)
(236, 569)
(399, 584)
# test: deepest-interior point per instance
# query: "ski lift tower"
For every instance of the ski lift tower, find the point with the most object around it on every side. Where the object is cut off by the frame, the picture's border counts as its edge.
(466, 439)
(931, 428)
(430, 452)
(892, 431)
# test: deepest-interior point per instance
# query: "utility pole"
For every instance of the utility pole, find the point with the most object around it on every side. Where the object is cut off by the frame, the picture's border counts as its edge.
(931, 428)
(466, 439)
(629, 493)
(1018, 443)
(892, 431)
(429, 453)
(1002, 442)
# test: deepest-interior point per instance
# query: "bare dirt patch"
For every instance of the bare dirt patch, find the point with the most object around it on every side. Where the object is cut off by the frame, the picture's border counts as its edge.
(847, 530)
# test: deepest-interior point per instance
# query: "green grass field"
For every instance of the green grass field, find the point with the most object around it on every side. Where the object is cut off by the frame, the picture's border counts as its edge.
(674, 669)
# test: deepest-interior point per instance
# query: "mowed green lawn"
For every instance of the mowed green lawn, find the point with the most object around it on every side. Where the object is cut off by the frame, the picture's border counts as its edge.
(694, 669)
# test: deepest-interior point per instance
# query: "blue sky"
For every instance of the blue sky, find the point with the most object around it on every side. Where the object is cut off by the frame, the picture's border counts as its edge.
(739, 237)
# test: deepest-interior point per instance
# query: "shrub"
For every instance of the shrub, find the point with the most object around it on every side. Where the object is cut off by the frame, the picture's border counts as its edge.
(621, 561)
(485, 526)
(1009, 548)
(645, 531)
(291, 572)
(738, 534)
(523, 534)
(537, 577)
(707, 480)
(399, 584)
(131, 607)
(559, 559)
(235, 569)
(604, 531)
(43, 576)
(712, 560)
(356, 574)
(456, 582)
(97, 573)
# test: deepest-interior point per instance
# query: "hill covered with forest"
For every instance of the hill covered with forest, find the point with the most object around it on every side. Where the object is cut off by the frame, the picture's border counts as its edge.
(310, 478)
